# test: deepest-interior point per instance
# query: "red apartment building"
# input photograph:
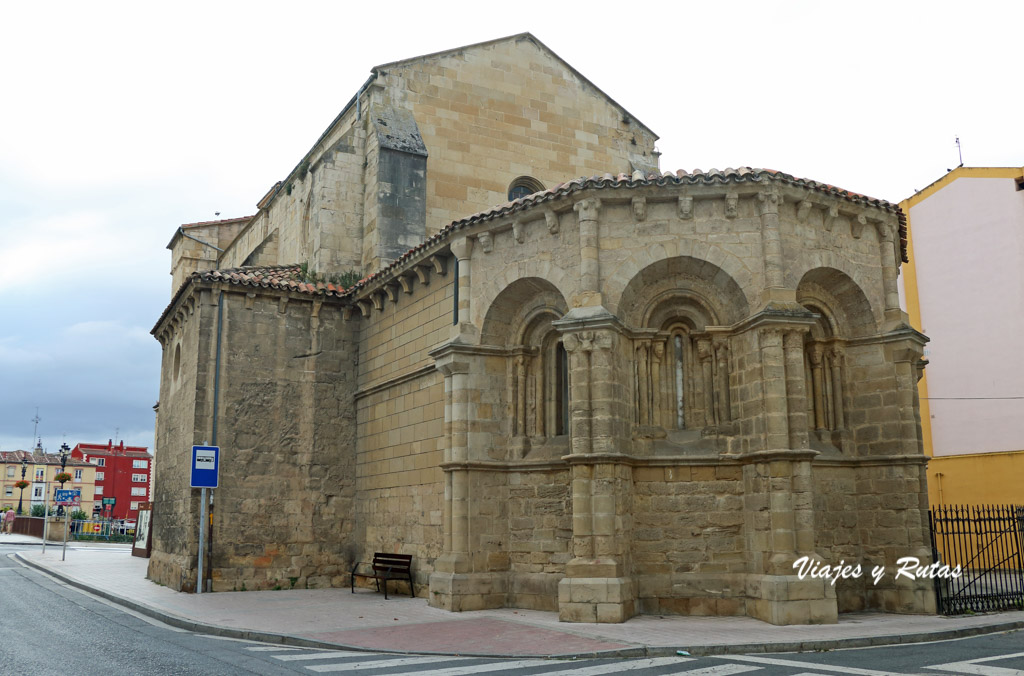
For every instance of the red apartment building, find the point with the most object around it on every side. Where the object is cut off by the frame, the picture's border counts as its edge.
(122, 473)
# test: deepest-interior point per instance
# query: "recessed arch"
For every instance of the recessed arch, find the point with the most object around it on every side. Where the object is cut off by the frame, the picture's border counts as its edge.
(683, 281)
(516, 306)
(842, 301)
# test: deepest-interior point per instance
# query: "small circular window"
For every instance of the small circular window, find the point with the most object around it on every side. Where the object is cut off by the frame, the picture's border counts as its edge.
(523, 186)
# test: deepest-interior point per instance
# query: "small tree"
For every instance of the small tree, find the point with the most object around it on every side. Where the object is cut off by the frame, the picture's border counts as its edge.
(79, 515)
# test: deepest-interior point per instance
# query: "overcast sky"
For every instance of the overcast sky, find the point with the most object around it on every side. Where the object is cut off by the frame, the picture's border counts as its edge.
(121, 121)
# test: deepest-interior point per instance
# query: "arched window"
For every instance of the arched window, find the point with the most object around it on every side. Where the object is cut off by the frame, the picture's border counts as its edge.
(523, 186)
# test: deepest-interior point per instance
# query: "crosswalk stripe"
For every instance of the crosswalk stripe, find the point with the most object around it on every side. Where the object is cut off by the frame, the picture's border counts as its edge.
(618, 666)
(481, 668)
(263, 648)
(822, 667)
(721, 670)
(379, 664)
(974, 666)
(333, 655)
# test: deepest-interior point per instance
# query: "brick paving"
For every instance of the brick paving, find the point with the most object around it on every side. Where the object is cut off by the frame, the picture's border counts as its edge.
(365, 620)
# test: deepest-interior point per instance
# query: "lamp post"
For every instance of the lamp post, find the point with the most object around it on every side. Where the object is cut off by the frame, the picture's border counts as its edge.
(65, 451)
(24, 467)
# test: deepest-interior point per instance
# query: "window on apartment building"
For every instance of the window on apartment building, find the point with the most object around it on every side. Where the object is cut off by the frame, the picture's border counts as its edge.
(37, 492)
(78, 475)
(40, 474)
(140, 478)
(133, 506)
(10, 471)
(99, 476)
(140, 464)
(98, 490)
(8, 492)
(139, 491)
(101, 462)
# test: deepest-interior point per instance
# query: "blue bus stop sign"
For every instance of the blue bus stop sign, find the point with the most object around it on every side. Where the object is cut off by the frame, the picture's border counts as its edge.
(205, 466)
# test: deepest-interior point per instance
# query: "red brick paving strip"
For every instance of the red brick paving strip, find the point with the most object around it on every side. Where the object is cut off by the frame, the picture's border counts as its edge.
(484, 636)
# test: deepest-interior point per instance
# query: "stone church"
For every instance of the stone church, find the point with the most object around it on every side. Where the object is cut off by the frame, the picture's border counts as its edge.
(632, 392)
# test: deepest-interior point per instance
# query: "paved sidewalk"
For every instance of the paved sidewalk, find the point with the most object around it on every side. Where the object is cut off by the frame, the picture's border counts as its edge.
(365, 621)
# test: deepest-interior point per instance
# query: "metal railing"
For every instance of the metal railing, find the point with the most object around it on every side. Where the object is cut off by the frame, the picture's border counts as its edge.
(110, 531)
(986, 543)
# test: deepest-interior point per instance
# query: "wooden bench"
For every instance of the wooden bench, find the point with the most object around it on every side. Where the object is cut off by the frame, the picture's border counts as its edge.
(386, 567)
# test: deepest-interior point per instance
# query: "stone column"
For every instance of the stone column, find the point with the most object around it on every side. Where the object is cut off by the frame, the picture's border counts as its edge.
(643, 384)
(590, 275)
(705, 354)
(773, 375)
(461, 579)
(796, 389)
(771, 245)
(818, 382)
(780, 530)
(894, 316)
(836, 358)
(724, 403)
(462, 248)
(657, 361)
(596, 587)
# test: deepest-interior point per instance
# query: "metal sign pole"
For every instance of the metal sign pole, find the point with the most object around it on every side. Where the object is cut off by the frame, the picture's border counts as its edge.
(202, 539)
(46, 511)
(67, 517)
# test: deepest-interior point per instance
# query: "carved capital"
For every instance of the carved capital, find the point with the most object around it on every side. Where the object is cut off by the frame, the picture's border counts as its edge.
(640, 208)
(886, 231)
(836, 353)
(769, 202)
(587, 210)
(518, 232)
(793, 340)
(658, 349)
(486, 242)
(704, 352)
(685, 207)
(816, 353)
(722, 352)
(462, 248)
(551, 218)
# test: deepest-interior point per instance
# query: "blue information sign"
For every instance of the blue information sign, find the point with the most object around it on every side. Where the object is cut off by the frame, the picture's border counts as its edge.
(71, 497)
(205, 466)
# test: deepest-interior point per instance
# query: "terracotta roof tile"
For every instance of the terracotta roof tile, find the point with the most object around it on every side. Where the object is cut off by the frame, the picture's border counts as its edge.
(637, 179)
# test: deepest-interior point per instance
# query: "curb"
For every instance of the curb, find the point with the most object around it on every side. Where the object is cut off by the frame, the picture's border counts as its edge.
(639, 651)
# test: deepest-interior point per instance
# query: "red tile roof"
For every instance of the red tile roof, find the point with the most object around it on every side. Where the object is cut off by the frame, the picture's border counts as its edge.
(286, 277)
(638, 179)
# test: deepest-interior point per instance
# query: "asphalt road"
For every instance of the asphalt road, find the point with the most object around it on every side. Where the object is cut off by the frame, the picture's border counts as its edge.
(47, 627)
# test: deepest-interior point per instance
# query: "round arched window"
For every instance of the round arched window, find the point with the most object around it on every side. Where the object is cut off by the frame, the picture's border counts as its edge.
(523, 186)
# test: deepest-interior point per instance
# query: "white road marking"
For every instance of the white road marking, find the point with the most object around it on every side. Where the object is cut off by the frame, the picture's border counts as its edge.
(379, 664)
(822, 667)
(721, 670)
(264, 648)
(975, 666)
(481, 668)
(618, 667)
(333, 655)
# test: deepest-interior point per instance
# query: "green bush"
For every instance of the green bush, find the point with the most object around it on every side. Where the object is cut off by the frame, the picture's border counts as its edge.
(79, 515)
(39, 510)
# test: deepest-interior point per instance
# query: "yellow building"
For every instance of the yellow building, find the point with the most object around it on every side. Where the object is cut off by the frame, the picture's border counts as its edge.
(41, 470)
(964, 288)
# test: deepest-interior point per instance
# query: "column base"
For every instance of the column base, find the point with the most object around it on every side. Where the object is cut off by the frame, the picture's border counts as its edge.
(594, 591)
(468, 591)
(786, 599)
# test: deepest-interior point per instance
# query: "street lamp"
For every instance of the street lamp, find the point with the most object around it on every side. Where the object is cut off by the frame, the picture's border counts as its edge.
(24, 467)
(65, 451)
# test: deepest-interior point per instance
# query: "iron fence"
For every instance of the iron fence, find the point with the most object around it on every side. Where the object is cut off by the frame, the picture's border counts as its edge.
(986, 543)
